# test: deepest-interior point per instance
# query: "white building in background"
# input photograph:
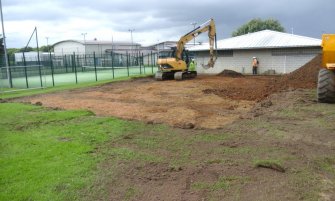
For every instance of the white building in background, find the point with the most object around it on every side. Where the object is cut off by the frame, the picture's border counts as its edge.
(276, 51)
(30, 57)
(79, 47)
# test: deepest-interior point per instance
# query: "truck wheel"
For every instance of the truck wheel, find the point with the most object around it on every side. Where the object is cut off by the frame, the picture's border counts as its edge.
(326, 86)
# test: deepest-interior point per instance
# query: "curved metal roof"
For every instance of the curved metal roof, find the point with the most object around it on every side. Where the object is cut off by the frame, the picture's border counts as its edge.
(97, 42)
(262, 40)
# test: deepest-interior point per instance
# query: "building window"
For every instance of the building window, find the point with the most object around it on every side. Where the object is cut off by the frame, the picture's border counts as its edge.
(295, 51)
(226, 53)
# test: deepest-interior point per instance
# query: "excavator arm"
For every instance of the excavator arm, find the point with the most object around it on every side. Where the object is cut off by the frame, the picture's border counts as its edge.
(175, 67)
(207, 26)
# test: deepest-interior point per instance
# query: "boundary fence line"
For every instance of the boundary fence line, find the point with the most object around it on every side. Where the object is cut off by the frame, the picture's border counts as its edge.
(50, 71)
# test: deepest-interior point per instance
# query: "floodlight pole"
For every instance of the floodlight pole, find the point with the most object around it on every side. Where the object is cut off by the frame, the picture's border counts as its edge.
(194, 23)
(84, 34)
(131, 36)
(48, 43)
(5, 49)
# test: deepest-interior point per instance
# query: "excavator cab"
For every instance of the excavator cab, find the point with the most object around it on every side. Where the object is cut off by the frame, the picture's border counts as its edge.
(165, 54)
(172, 53)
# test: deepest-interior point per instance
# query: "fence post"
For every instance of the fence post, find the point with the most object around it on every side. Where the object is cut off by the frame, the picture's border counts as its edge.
(127, 63)
(10, 72)
(52, 70)
(142, 60)
(65, 63)
(137, 56)
(39, 69)
(112, 63)
(139, 61)
(25, 69)
(85, 63)
(79, 63)
(74, 66)
(152, 64)
(95, 67)
(148, 60)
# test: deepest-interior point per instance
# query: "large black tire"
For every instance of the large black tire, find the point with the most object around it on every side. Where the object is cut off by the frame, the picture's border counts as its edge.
(326, 86)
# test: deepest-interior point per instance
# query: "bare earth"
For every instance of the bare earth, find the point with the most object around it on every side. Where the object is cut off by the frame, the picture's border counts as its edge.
(239, 120)
(182, 104)
(206, 102)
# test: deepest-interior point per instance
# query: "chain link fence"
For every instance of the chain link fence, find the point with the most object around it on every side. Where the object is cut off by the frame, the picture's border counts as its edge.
(49, 70)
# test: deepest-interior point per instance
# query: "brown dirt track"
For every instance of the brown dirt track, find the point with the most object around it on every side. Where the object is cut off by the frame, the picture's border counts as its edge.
(204, 102)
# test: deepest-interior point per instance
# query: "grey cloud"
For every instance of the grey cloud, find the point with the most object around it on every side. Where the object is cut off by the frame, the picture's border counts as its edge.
(173, 17)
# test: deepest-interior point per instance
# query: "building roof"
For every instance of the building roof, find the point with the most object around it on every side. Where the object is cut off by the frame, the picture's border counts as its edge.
(97, 42)
(262, 40)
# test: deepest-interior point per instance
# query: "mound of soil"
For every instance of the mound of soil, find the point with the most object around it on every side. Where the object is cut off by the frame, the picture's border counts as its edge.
(230, 73)
(304, 77)
(251, 88)
(256, 88)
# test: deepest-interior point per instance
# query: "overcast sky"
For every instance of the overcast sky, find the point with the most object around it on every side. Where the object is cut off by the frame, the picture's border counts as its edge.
(155, 20)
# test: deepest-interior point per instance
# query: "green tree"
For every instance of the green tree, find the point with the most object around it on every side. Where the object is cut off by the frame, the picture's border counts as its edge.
(258, 24)
(28, 49)
(46, 48)
(12, 51)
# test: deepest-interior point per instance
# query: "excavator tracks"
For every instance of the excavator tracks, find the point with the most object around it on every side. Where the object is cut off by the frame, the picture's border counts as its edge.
(179, 75)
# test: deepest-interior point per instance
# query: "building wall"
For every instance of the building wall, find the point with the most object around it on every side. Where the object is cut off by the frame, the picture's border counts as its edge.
(68, 47)
(99, 49)
(280, 60)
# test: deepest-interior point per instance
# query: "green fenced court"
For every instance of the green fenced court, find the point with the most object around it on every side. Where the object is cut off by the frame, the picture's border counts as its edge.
(51, 71)
(51, 80)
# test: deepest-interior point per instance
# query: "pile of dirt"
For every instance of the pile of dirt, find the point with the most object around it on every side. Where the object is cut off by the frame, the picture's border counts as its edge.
(304, 77)
(230, 73)
(257, 88)
(250, 88)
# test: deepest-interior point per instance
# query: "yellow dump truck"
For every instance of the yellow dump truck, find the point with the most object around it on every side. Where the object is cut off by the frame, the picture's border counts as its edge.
(326, 78)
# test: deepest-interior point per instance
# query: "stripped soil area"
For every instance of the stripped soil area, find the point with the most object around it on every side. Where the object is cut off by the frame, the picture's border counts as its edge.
(208, 102)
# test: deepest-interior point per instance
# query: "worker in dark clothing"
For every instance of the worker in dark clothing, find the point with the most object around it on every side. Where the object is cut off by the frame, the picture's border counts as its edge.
(255, 64)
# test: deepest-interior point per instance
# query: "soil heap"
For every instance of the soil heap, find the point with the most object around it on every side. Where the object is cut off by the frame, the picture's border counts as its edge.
(256, 88)
(230, 73)
(304, 77)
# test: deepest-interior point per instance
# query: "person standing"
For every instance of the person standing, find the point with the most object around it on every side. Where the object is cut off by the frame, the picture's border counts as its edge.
(192, 65)
(255, 64)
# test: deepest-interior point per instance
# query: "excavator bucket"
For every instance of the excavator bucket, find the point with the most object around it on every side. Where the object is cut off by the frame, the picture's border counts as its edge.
(210, 64)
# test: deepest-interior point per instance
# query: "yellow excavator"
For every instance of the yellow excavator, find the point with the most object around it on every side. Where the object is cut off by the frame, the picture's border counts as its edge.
(326, 78)
(174, 64)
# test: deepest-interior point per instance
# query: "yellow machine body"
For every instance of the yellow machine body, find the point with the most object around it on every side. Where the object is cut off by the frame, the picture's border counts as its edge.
(328, 51)
(178, 65)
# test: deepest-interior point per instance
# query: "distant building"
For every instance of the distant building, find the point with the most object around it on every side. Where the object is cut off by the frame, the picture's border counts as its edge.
(276, 51)
(167, 45)
(31, 58)
(90, 46)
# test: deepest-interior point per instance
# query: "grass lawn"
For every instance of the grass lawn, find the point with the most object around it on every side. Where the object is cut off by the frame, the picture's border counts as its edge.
(49, 154)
